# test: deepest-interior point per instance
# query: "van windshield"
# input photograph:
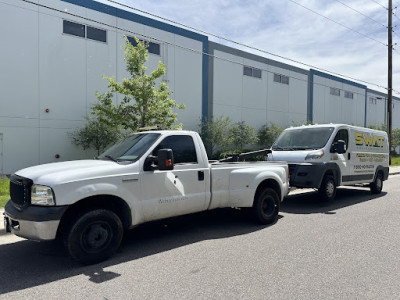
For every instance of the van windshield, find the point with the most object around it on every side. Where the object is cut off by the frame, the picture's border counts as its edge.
(131, 148)
(303, 139)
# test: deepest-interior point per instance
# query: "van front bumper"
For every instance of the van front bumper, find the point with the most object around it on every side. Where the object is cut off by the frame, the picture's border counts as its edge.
(37, 223)
(307, 175)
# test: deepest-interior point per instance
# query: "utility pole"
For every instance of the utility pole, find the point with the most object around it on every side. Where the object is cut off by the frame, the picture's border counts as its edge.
(390, 71)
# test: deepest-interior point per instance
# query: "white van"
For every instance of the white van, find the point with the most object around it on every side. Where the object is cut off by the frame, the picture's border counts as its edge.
(330, 155)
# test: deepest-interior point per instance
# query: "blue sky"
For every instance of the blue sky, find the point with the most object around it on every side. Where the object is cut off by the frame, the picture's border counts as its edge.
(290, 29)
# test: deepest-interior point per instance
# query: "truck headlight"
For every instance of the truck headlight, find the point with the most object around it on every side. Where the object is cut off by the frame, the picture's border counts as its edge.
(42, 195)
(315, 155)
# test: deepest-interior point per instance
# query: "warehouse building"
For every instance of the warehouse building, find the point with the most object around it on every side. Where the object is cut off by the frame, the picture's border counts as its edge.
(54, 55)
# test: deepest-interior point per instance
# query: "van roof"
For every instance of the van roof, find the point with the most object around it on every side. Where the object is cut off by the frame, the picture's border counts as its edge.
(337, 126)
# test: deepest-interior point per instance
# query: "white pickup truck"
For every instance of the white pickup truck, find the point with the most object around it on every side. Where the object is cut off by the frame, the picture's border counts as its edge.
(148, 176)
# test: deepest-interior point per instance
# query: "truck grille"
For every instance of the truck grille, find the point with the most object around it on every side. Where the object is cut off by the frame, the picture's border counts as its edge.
(20, 191)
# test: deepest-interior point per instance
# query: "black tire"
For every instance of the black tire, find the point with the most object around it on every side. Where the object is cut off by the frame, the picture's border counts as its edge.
(327, 190)
(94, 236)
(377, 185)
(266, 206)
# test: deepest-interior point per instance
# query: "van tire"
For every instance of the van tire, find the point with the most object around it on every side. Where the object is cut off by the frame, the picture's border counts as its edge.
(327, 190)
(377, 185)
(265, 209)
(93, 236)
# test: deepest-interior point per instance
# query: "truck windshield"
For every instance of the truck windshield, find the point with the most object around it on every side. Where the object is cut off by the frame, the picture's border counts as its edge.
(303, 139)
(131, 148)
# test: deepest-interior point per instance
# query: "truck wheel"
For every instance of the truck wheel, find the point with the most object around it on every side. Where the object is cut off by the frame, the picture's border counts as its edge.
(377, 185)
(94, 236)
(266, 206)
(327, 190)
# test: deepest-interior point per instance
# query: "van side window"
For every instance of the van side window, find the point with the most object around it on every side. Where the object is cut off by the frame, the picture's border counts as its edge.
(343, 135)
(182, 146)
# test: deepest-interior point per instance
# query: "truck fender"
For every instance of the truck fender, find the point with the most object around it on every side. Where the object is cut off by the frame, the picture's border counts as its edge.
(244, 184)
(274, 181)
(98, 191)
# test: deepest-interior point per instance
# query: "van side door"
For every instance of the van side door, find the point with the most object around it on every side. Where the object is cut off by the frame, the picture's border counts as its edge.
(178, 191)
(343, 160)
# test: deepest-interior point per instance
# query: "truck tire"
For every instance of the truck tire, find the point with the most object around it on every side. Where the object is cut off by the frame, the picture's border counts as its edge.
(377, 185)
(327, 190)
(266, 206)
(93, 236)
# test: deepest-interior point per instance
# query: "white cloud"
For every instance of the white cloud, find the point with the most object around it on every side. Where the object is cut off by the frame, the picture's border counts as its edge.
(290, 30)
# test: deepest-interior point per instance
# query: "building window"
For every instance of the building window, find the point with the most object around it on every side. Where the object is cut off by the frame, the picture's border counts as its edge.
(252, 72)
(372, 100)
(257, 73)
(335, 91)
(73, 28)
(84, 31)
(96, 34)
(281, 78)
(153, 48)
(348, 95)
(247, 71)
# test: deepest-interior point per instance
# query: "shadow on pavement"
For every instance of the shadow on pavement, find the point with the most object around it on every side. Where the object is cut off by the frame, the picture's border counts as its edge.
(26, 264)
(310, 203)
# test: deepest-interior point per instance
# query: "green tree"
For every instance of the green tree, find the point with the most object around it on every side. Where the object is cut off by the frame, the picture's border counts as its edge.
(215, 133)
(95, 135)
(395, 138)
(143, 104)
(242, 135)
(382, 127)
(267, 134)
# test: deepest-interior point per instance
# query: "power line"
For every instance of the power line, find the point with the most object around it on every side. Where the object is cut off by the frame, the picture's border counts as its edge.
(199, 51)
(379, 4)
(251, 47)
(364, 15)
(338, 23)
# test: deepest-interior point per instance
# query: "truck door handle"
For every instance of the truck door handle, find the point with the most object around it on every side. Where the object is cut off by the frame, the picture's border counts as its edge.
(348, 156)
(200, 175)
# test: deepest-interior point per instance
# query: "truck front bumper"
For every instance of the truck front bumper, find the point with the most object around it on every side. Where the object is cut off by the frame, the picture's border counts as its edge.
(37, 223)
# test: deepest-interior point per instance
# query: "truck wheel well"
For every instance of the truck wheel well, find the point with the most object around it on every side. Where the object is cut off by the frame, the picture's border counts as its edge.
(270, 183)
(113, 203)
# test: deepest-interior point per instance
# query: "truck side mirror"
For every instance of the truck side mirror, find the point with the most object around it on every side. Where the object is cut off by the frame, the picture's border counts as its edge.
(165, 159)
(340, 147)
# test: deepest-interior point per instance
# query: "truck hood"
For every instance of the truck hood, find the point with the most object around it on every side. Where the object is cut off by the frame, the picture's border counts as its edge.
(289, 156)
(62, 172)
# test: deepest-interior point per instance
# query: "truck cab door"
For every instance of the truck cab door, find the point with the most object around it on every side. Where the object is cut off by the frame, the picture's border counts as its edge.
(179, 191)
(342, 158)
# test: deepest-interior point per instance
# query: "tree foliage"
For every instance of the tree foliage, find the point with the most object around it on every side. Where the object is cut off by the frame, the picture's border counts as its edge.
(382, 127)
(267, 134)
(215, 133)
(143, 103)
(395, 138)
(242, 135)
(95, 135)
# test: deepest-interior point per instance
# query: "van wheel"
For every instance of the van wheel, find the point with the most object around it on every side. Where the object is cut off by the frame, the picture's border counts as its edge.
(266, 206)
(377, 185)
(327, 190)
(94, 236)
